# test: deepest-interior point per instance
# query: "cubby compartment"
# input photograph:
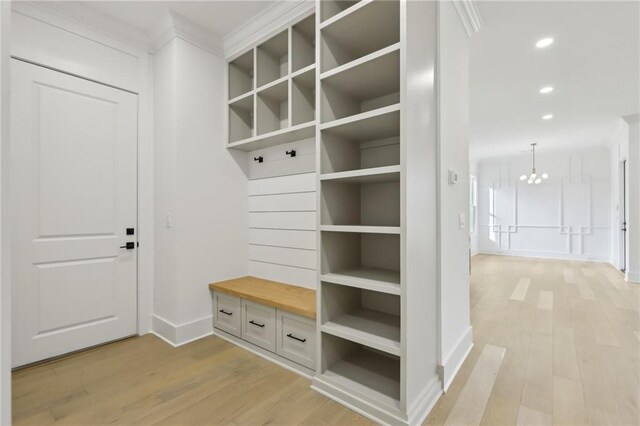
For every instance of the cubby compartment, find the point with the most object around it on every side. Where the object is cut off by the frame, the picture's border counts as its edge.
(272, 108)
(363, 316)
(241, 72)
(366, 260)
(303, 42)
(370, 143)
(273, 59)
(365, 371)
(241, 119)
(330, 8)
(355, 200)
(366, 30)
(365, 87)
(303, 98)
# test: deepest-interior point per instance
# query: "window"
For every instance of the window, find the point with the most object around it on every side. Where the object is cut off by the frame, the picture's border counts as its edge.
(473, 203)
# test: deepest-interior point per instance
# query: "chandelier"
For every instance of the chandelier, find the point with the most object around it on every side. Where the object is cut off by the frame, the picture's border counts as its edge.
(533, 177)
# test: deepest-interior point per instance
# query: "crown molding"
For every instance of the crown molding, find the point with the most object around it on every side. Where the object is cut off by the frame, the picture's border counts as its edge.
(177, 26)
(632, 119)
(270, 21)
(469, 15)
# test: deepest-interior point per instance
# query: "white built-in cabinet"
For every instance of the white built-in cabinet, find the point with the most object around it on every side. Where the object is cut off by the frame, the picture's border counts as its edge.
(271, 90)
(360, 77)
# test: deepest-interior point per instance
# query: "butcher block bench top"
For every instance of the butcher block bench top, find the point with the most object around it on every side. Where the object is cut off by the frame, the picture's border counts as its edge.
(297, 300)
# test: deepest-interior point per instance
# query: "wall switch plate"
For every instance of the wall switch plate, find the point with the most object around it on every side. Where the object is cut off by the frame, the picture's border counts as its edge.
(453, 177)
(462, 221)
(169, 221)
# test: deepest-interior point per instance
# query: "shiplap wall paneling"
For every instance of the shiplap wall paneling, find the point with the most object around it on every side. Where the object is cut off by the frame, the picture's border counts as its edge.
(282, 224)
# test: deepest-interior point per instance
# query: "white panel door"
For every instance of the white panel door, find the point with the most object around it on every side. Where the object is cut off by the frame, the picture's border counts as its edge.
(73, 196)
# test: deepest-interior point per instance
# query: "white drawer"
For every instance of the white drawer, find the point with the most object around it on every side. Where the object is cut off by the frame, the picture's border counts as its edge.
(296, 338)
(259, 325)
(227, 313)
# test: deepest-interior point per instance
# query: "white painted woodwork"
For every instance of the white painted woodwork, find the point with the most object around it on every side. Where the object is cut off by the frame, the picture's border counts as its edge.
(227, 313)
(283, 238)
(566, 216)
(296, 338)
(42, 43)
(74, 156)
(259, 325)
(284, 273)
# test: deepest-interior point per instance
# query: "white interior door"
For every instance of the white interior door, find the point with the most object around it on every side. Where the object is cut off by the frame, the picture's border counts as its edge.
(73, 196)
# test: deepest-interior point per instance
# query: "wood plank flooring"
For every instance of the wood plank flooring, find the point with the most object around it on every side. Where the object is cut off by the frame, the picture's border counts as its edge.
(556, 342)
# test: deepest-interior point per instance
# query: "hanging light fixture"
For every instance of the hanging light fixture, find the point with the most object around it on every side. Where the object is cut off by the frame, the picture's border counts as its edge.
(533, 177)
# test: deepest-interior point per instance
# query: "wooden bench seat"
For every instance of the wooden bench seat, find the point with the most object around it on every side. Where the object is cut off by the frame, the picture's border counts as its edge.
(297, 300)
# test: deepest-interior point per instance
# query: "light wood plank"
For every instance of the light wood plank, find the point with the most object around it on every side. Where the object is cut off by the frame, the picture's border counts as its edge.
(473, 399)
(568, 402)
(530, 417)
(520, 291)
(545, 300)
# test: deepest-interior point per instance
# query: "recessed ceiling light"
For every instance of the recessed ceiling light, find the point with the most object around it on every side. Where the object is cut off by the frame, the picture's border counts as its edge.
(546, 89)
(544, 42)
(547, 116)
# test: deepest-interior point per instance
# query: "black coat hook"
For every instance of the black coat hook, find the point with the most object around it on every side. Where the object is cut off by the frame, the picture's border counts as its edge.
(258, 159)
(292, 153)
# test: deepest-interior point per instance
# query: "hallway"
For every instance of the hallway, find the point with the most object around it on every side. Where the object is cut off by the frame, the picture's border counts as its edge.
(562, 337)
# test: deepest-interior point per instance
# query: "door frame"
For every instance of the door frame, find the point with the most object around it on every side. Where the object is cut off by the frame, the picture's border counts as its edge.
(623, 241)
(143, 76)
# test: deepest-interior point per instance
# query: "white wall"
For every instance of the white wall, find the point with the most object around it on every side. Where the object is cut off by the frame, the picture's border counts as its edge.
(5, 276)
(565, 217)
(455, 323)
(200, 186)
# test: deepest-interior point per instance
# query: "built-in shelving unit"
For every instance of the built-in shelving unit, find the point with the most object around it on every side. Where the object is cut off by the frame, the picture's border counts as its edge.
(363, 199)
(272, 90)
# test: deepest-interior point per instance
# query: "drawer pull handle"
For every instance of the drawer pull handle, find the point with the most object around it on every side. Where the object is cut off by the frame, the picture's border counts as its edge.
(291, 336)
(256, 323)
(225, 312)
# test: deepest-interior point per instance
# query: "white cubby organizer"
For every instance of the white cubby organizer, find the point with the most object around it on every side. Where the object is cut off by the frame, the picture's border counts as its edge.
(359, 76)
(271, 97)
(376, 158)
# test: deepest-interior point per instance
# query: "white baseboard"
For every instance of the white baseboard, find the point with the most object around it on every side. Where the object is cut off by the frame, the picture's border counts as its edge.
(546, 255)
(455, 358)
(416, 414)
(178, 335)
(632, 277)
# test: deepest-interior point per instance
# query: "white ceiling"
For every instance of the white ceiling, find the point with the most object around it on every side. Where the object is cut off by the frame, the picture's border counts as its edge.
(594, 66)
(219, 17)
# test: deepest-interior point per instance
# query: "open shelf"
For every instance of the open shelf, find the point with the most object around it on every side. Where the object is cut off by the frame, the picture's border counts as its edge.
(303, 43)
(362, 316)
(371, 175)
(358, 203)
(272, 59)
(241, 119)
(279, 137)
(367, 29)
(365, 86)
(241, 72)
(361, 370)
(361, 257)
(382, 280)
(303, 97)
(272, 106)
(331, 8)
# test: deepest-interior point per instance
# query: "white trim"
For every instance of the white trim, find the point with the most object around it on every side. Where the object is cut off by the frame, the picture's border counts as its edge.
(632, 277)
(5, 246)
(270, 21)
(177, 26)
(145, 145)
(456, 357)
(546, 255)
(425, 402)
(178, 335)
(469, 15)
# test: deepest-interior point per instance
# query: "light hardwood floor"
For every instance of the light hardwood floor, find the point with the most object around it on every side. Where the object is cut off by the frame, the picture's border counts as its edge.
(555, 342)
